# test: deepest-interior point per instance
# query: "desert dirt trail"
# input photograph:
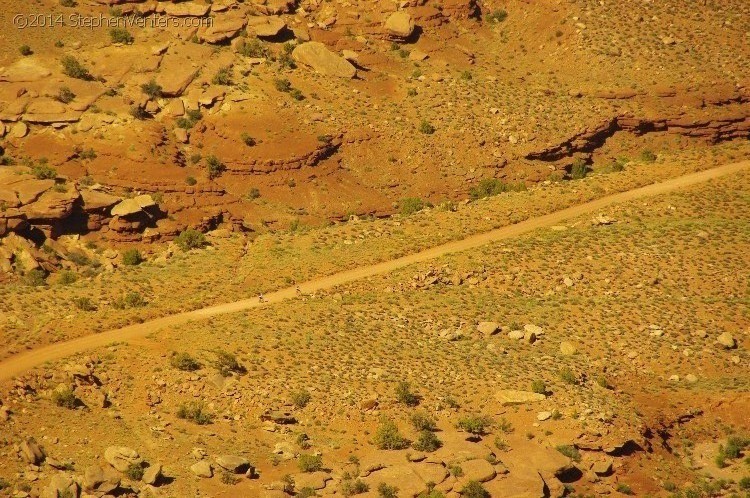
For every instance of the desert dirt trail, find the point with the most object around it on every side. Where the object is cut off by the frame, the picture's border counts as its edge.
(18, 364)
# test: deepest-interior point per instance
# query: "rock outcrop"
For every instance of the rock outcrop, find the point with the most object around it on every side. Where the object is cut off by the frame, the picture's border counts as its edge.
(318, 57)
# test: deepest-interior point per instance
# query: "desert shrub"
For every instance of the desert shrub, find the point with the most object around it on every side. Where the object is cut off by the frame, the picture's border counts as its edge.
(405, 395)
(74, 69)
(505, 426)
(351, 487)
(310, 463)
(303, 441)
(411, 92)
(132, 257)
(190, 181)
(253, 48)
(296, 94)
(248, 140)
(66, 277)
(427, 441)
(603, 382)
(426, 128)
(64, 397)
(25, 50)
(745, 483)
(195, 412)
(223, 76)
(4, 484)
(139, 113)
(214, 167)
(188, 121)
(285, 58)
(65, 95)
(431, 493)
(423, 422)
(474, 489)
(496, 16)
(388, 437)
(228, 478)
(735, 446)
(43, 171)
(134, 472)
(282, 85)
(152, 89)
(624, 489)
(648, 156)
(538, 386)
(411, 205)
(183, 361)
(35, 278)
(477, 425)
(579, 169)
(84, 304)
(68, 3)
(501, 444)
(253, 193)
(489, 187)
(567, 376)
(306, 492)
(301, 398)
(78, 258)
(121, 35)
(386, 491)
(130, 300)
(569, 451)
(190, 239)
(226, 363)
(89, 153)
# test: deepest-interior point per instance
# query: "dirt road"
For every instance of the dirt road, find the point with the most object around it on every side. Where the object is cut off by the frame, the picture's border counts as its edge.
(18, 364)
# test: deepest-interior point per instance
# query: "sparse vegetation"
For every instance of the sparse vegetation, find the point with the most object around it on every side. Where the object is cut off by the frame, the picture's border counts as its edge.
(121, 35)
(214, 167)
(184, 361)
(190, 239)
(64, 397)
(195, 412)
(301, 398)
(570, 452)
(65, 95)
(74, 69)
(489, 187)
(310, 463)
(388, 437)
(476, 425)
(132, 257)
(152, 89)
(426, 128)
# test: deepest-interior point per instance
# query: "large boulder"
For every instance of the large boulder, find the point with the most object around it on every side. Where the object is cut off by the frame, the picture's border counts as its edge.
(61, 485)
(266, 27)
(202, 469)
(31, 452)
(24, 70)
(100, 480)
(399, 25)
(508, 397)
(726, 340)
(153, 474)
(233, 463)
(323, 61)
(223, 29)
(488, 328)
(121, 457)
(186, 9)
